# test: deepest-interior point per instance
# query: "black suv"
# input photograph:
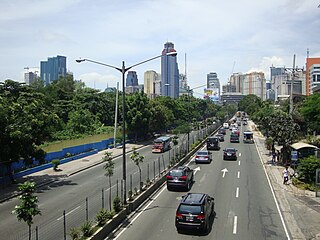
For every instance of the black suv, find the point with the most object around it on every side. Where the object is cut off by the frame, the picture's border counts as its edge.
(194, 212)
(180, 177)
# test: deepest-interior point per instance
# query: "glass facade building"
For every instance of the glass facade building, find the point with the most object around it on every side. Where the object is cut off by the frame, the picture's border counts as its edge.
(53, 69)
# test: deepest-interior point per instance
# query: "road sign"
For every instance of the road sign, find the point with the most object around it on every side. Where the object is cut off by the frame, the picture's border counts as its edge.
(294, 155)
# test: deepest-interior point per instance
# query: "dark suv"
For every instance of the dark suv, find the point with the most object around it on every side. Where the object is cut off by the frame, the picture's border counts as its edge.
(194, 212)
(180, 177)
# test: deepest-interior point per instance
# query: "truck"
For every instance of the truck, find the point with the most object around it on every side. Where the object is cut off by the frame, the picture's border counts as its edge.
(161, 144)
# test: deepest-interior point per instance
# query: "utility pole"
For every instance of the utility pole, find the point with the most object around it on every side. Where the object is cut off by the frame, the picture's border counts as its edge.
(291, 87)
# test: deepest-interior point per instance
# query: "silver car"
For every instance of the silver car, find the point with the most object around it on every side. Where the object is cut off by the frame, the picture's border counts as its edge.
(203, 157)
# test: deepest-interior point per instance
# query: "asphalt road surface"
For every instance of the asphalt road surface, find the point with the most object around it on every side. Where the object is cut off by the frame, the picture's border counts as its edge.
(244, 204)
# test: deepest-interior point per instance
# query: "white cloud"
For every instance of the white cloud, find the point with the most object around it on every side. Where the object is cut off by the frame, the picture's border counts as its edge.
(98, 81)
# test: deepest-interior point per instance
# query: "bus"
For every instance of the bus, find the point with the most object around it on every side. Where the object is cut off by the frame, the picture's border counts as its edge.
(161, 144)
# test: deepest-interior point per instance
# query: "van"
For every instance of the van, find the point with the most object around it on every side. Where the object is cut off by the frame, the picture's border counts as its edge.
(213, 143)
(226, 125)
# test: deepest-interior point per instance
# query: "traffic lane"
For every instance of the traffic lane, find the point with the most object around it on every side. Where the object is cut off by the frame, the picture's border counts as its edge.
(257, 204)
(158, 218)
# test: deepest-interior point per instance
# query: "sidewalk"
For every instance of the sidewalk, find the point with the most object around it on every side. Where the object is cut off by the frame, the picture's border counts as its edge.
(48, 176)
(300, 208)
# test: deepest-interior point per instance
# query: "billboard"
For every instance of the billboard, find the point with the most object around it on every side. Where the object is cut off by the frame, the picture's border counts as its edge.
(212, 93)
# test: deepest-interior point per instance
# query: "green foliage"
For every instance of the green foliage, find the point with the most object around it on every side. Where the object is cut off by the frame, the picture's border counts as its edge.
(310, 110)
(307, 169)
(250, 104)
(28, 207)
(103, 216)
(74, 233)
(109, 170)
(117, 206)
(55, 164)
(87, 229)
(137, 159)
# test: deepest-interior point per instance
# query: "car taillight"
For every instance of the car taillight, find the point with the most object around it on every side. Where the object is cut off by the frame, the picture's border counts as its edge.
(168, 177)
(201, 216)
(179, 215)
(183, 178)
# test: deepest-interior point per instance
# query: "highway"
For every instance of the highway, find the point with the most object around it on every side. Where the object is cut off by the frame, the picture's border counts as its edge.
(79, 192)
(244, 204)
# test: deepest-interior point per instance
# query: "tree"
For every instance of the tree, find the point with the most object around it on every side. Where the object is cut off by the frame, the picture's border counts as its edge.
(138, 114)
(137, 159)
(250, 104)
(109, 168)
(28, 208)
(25, 124)
(307, 168)
(310, 110)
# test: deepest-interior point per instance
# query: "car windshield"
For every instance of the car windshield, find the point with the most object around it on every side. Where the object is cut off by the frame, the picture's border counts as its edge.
(176, 173)
(230, 150)
(193, 209)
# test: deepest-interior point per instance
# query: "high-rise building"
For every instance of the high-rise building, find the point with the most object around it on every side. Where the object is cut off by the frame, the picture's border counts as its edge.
(236, 79)
(255, 83)
(150, 79)
(312, 74)
(53, 69)
(213, 86)
(169, 72)
(132, 79)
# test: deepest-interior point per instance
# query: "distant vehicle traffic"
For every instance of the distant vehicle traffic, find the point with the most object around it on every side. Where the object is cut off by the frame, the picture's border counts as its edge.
(195, 211)
(226, 125)
(180, 177)
(161, 144)
(203, 157)
(230, 154)
(222, 131)
(213, 143)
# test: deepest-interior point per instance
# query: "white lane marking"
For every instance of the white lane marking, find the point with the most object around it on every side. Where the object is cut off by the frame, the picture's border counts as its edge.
(235, 221)
(238, 174)
(68, 213)
(196, 170)
(237, 192)
(239, 163)
(135, 218)
(273, 194)
(239, 154)
(224, 172)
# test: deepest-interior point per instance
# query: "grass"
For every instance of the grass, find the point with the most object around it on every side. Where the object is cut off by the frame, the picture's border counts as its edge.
(59, 145)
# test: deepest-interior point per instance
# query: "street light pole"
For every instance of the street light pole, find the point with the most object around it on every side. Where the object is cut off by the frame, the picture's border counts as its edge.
(123, 71)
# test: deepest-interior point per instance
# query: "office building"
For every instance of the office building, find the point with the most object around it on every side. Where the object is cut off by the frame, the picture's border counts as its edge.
(151, 82)
(169, 72)
(236, 80)
(312, 75)
(255, 83)
(53, 69)
(132, 79)
(213, 87)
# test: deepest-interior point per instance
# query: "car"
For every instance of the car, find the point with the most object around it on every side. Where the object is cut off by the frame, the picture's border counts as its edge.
(213, 143)
(230, 153)
(222, 131)
(203, 156)
(234, 137)
(220, 137)
(179, 177)
(194, 212)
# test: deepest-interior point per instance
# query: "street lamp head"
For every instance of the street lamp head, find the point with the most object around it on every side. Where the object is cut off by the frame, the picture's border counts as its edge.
(80, 60)
(172, 54)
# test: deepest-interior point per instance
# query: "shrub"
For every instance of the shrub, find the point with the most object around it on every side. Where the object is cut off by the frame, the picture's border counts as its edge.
(74, 233)
(86, 229)
(117, 206)
(68, 155)
(55, 164)
(307, 169)
(102, 217)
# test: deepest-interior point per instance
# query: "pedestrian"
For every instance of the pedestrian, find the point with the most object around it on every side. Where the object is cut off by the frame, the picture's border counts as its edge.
(273, 156)
(278, 156)
(285, 175)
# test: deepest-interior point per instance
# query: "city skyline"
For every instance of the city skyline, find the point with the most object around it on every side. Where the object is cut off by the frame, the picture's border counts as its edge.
(254, 36)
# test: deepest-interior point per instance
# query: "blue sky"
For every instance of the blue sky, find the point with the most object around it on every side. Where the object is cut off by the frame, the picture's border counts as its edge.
(214, 35)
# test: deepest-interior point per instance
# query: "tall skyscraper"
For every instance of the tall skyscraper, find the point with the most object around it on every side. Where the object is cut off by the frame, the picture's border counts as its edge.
(255, 83)
(150, 79)
(52, 69)
(213, 90)
(132, 84)
(169, 72)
